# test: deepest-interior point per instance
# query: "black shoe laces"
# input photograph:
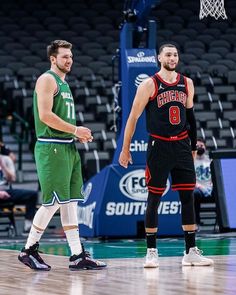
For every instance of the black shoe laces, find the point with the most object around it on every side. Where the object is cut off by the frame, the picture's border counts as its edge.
(85, 253)
(33, 250)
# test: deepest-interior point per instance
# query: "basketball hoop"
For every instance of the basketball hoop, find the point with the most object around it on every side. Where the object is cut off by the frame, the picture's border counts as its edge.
(214, 8)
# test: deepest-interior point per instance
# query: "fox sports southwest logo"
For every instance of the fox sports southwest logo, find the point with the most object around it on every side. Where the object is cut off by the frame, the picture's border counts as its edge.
(140, 78)
(133, 185)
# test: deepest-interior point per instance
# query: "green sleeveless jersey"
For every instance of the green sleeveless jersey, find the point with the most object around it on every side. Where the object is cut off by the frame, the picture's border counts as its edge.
(63, 107)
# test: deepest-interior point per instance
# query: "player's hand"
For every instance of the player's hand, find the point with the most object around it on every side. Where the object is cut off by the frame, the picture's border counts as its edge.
(194, 154)
(125, 159)
(84, 140)
(83, 134)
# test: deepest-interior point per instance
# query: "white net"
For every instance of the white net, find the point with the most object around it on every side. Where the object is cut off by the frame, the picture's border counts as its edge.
(214, 8)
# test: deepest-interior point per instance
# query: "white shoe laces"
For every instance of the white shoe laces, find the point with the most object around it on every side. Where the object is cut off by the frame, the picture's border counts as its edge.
(152, 254)
(198, 251)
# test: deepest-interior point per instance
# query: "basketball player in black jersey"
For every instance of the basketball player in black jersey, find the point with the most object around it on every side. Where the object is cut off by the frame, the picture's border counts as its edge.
(167, 98)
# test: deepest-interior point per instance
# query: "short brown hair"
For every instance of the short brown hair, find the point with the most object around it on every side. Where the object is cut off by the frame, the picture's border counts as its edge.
(52, 49)
(167, 45)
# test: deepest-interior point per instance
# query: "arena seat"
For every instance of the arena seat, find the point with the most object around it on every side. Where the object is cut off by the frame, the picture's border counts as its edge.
(234, 143)
(230, 115)
(7, 212)
(185, 13)
(19, 53)
(30, 60)
(187, 57)
(199, 106)
(231, 77)
(231, 98)
(6, 74)
(84, 118)
(95, 161)
(18, 35)
(191, 33)
(217, 124)
(5, 59)
(205, 38)
(220, 25)
(216, 33)
(191, 70)
(228, 63)
(218, 71)
(96, 126)
(224, 89)
(207, 133)
(10, 46)
(220, 43)
(231, 56)
(42, 66)
(205, 116)
(28, 74)
(15, 66)
(110, 146)
(198, 52)
(220, 50)
(203, 64)
(197, 25)
(216, 107)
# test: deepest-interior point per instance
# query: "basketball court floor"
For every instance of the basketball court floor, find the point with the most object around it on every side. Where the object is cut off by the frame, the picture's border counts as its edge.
(124, 273)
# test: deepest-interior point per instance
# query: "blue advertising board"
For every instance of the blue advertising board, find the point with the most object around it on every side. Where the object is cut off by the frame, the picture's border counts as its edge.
(223, 168)
(117, 206)
(228, 173)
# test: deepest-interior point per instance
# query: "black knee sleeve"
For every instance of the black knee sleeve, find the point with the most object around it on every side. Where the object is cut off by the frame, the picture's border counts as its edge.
(153, 202)
(187, 202)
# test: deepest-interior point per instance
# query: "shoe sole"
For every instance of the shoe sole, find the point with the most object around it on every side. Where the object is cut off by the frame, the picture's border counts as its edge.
(74, 268)
(151, 265)
(196, 264)
(32, 267)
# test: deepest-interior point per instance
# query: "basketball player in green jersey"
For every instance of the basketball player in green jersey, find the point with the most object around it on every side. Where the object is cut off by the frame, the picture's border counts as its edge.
(57, 160)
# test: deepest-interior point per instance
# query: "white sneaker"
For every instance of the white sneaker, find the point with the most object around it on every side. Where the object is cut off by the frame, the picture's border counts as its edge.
(195, 258)
(151, 258)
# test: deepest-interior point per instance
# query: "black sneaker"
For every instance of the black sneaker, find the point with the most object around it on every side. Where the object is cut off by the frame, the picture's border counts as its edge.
(32, 259)
(84, 261)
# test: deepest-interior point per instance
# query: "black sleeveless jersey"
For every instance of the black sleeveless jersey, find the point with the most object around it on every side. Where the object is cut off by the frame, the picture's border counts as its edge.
(166, 109)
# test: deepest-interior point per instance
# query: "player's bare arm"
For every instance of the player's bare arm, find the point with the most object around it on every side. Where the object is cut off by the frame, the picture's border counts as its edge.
(144, 92)
(190, 93)
(45, 88)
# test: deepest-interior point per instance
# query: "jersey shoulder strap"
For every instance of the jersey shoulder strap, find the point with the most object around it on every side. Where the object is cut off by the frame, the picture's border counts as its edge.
(57, 79)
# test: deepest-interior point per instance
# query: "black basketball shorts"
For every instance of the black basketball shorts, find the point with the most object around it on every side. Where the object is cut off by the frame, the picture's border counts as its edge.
(169, 157)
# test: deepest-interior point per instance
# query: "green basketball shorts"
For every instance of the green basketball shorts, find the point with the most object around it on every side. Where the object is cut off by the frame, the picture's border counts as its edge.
(59, 172)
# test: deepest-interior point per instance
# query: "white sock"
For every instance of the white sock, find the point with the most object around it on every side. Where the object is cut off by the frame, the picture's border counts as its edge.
(34, 236)
(72, 236)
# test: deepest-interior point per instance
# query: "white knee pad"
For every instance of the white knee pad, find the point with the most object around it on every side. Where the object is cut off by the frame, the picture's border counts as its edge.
(44, 215)
(69, 214)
